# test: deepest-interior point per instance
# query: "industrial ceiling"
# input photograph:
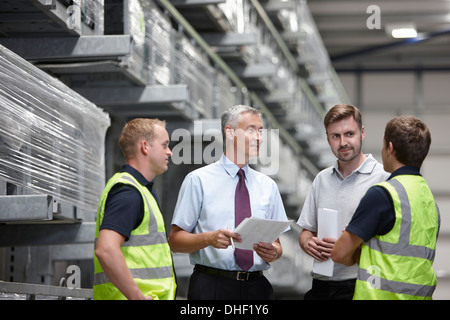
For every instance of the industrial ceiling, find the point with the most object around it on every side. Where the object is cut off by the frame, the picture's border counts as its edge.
(355, 33)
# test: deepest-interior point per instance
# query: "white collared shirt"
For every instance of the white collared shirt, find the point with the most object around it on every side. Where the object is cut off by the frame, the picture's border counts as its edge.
(206, 203)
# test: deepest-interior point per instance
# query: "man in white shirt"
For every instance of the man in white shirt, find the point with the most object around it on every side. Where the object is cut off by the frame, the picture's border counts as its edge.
(339, 187)
(205, 211)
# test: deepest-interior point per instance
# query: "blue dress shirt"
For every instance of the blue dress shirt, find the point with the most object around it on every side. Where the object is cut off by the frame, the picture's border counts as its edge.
(206, 203)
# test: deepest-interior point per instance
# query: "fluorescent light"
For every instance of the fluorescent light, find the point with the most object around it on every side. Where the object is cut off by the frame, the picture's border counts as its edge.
(404, 33)
(401, 30)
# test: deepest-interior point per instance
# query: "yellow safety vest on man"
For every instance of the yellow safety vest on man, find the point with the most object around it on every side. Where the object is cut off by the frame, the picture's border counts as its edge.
(399, 264)
(146, 252)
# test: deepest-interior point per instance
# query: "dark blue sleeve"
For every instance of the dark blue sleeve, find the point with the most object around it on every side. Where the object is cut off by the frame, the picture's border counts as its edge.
(374, 216)
(124, 210)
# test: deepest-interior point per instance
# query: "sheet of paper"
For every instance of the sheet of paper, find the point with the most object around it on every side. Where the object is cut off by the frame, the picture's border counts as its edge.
(254, 230)
(327, 228)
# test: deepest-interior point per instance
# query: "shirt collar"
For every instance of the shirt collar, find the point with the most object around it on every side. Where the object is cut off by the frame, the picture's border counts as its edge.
(366, 167)
(231, 168)
(137, 175)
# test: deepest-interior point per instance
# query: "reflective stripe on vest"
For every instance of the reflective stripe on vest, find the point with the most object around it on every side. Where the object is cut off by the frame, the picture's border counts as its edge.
(403, 247)
(142, 273)
(396, 286)
(388, 254)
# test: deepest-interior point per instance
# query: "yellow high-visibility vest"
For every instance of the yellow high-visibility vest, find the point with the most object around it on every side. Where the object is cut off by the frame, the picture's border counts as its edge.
(399, 264)
(147, 252)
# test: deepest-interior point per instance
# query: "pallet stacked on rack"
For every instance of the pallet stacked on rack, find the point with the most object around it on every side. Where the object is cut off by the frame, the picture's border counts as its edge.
(158, 36)
(52, 18)
(170, 76)
(51, 172)
(52, 139)
(192, 67)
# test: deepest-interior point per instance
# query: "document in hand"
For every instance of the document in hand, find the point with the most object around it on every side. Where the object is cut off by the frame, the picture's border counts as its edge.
(327, 228)
(254, 230)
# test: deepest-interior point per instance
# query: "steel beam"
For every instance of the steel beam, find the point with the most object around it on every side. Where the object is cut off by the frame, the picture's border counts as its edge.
(26, 207)
(195, 3)
(41, 234)
(128, 96)
(229, 39)
(70, 48)
(257, 70)
(33, 290)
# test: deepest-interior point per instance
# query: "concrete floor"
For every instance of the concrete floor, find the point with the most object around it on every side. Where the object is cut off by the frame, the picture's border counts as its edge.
(442, 290)
(442, 268)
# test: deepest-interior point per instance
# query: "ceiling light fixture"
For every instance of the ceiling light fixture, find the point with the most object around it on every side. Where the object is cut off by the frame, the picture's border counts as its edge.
(401, 30)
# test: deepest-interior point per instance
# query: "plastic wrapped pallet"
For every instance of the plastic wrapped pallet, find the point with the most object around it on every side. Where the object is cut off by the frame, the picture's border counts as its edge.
(266, 49)
(151, 34)
(92, 15)
(192, 67)
(158, 30)
(312, 47)
(234, 12)
(226, 95)
(51, 138)
(135, 26)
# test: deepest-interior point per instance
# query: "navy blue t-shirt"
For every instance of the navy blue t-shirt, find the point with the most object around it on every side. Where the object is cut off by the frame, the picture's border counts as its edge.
(375, 214)
(124, 208)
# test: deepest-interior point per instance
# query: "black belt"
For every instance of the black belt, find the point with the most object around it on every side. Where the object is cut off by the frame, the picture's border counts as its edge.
(235, 275)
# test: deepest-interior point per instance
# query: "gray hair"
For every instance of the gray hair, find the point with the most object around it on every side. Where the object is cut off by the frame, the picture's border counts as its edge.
(232, 115)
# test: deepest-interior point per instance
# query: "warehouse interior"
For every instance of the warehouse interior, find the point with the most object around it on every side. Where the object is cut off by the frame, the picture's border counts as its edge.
(72, 72)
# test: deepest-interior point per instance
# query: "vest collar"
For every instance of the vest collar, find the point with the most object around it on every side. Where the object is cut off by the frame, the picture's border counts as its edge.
(405, 170)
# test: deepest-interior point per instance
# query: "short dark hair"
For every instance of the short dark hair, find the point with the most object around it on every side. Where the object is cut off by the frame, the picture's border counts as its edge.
(342, 111)
(411, 139)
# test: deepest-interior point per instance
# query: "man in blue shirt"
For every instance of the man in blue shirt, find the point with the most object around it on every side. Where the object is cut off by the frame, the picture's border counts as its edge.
(205, 211)
(375, 214)
(396, 223)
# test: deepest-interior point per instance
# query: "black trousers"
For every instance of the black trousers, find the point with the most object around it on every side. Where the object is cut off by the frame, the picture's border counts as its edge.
(331, 290)
(205, 286)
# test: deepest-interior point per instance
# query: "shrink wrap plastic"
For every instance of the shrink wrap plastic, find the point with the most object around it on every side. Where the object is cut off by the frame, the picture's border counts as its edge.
(151, 32)
(92, 12)
(51, 138)
(159, 41)
(193, 68)
(136, 28)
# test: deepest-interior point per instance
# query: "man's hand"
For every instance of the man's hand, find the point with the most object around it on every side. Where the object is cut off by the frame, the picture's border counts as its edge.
(183, 241)
(221, 239)
(267, 251)
(319, 249)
